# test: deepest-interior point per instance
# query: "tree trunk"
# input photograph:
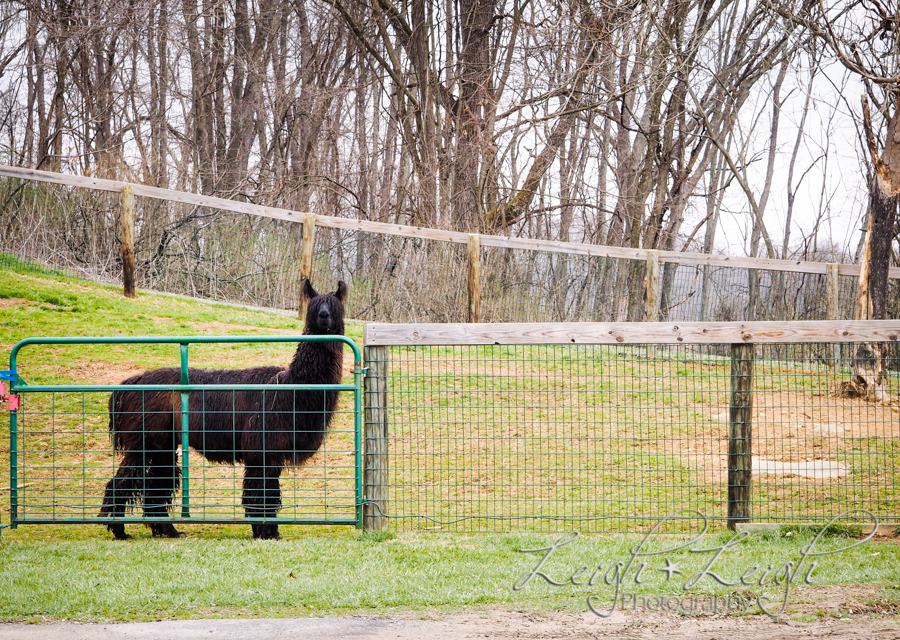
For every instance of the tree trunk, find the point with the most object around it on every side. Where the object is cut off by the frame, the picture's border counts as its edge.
(870, 376)
(476, 18)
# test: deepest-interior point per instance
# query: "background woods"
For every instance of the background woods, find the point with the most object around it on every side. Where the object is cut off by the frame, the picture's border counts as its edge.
(617, 122)
(571, 120)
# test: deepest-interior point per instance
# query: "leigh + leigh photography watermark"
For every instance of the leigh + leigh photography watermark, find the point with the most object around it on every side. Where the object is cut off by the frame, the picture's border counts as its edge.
(608, 584)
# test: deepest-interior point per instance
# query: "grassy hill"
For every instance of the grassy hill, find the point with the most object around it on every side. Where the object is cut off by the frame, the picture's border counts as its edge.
(78, 572)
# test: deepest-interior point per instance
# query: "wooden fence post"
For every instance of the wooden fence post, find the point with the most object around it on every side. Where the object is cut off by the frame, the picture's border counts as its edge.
(652, 281)
(307, 249)
(740, 436)
(473, 256)
(832, 291)
(126, 237)
(375, 480)
(832, 303)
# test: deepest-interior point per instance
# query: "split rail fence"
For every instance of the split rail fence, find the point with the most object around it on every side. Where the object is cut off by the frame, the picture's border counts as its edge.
(221, 249)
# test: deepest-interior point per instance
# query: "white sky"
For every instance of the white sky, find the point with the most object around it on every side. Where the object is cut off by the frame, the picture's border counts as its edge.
(829, 168)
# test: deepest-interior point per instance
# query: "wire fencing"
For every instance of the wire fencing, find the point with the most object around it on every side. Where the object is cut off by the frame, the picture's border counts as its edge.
(615, 437)
(208, 252)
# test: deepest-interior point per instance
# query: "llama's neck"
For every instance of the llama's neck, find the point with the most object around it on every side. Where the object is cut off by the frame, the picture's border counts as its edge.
(316, 363)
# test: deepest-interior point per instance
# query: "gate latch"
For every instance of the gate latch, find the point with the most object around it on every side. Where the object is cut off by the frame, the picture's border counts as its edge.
(12, 400)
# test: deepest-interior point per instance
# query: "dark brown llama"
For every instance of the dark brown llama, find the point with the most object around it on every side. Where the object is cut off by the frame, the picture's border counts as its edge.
(227, 427)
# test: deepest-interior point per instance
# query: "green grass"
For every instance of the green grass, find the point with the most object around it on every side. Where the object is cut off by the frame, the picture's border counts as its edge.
(218, 572)
(77, 572)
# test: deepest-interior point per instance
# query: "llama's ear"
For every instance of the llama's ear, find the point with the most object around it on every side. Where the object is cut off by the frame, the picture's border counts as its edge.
(308, 292)
(341, 293)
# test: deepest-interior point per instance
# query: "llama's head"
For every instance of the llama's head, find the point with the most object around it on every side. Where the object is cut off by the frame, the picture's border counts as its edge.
(325, 312)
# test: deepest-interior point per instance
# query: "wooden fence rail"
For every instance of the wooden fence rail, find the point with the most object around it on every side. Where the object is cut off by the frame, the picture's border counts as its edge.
(811, 331)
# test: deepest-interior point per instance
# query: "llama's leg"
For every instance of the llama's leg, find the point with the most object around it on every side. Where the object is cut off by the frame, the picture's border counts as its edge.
(126, 487)
(262, 498)
(163, 474)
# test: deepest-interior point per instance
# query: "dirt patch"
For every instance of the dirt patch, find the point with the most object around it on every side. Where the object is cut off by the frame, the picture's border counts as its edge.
(651, 627)
(225, 328)
(97, 372)
(488, 624)
(10, 303)
(790, 429)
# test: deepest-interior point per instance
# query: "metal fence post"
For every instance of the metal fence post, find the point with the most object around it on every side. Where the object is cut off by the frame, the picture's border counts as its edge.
(185, 438)
(126, 230)
(740, 433)
(13, 468)
(376, 438)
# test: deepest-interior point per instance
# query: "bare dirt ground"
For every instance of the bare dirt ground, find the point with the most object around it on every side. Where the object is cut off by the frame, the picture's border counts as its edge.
(9, 303)
(489, 624)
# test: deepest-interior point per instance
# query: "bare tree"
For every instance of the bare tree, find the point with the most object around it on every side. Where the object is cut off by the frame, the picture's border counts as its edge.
(865, 38)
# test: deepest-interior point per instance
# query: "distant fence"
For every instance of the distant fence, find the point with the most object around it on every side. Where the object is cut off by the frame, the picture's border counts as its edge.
(236, 251)
(613, 427)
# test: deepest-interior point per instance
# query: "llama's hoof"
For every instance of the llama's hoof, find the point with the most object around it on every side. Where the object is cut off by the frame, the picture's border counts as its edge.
(118, 530)
(266, 532)
(166, 531)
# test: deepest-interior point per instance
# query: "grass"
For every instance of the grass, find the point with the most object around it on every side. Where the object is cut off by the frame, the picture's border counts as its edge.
(77, 572)
(220, 573)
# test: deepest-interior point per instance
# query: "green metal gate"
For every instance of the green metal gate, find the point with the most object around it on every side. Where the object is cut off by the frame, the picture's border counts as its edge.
(61, 455)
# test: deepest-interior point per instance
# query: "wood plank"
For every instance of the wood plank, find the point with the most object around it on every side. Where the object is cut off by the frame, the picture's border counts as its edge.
(440, 235)
(234, 206)
(634, 332)
(675, 257)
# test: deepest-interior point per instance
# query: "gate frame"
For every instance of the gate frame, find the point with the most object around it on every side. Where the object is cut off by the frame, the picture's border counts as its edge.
(18, 385)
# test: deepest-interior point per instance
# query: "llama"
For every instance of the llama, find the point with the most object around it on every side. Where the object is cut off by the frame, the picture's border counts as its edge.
(227, 427)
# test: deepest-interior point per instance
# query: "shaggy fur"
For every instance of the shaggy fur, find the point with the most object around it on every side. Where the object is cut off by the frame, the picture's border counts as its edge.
(227, 427)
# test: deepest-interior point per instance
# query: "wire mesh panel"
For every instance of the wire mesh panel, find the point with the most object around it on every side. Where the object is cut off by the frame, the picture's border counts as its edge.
(66, 460)
(256, 452)
(63, 227)
(208, 253)
(819, 448)
(520, 285)
(395, 278)
(704, 293)
(617, 437)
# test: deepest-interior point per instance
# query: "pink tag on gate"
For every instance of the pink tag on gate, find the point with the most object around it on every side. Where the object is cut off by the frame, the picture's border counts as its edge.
(3, 389)
(14, 403)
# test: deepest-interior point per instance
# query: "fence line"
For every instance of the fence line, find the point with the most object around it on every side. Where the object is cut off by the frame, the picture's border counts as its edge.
(551, 246)
(226, 250)
(812, 331)
(614, 426)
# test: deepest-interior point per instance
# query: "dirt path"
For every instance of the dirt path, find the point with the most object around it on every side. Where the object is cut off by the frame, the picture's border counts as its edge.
(457, 627)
